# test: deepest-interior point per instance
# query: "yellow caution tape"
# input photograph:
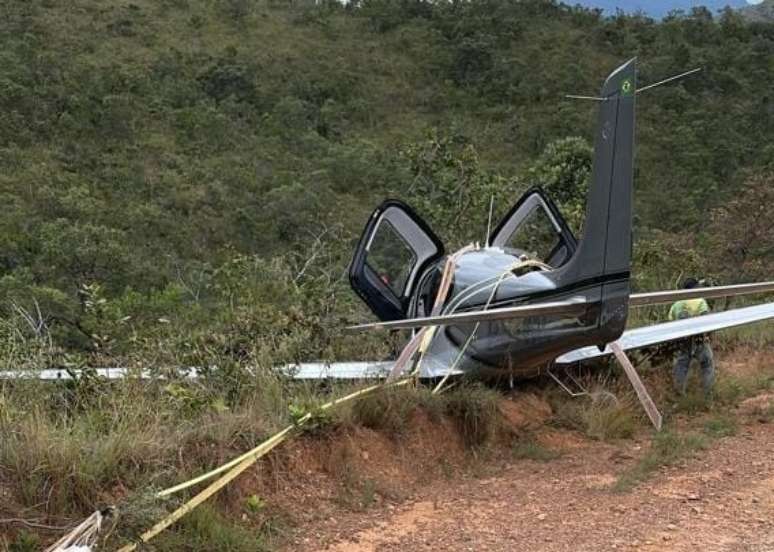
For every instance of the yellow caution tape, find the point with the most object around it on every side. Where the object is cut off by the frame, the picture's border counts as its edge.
(238, 465)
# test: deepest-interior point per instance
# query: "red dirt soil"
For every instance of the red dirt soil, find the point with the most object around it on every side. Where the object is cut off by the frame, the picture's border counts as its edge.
(359, 490)
(720, 500)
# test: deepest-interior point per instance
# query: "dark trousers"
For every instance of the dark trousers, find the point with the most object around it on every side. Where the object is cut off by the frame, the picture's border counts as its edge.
(700, 350)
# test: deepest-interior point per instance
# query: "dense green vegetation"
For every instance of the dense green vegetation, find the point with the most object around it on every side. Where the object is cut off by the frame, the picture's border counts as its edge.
(183, 182)
(190, 176)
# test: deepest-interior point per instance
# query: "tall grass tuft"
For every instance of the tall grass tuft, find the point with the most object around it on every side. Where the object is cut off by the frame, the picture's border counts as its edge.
(600, 415)
(207, 530)
(388, 410)
(475, 410)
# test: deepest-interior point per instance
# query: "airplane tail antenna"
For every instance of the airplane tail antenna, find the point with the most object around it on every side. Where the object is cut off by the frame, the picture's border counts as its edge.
(606, 245)
(639, 90)
(489, 221)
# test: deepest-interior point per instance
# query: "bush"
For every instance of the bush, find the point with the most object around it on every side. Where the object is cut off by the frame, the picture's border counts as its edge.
(609, 419)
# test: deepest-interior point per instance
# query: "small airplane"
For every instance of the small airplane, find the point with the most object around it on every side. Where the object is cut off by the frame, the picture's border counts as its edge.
(534, 296)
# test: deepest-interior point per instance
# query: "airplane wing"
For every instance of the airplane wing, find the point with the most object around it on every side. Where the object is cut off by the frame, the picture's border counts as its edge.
(301, 371)
(370, 370)
(338, 370)
(670, 331)
(60, 374)
(575, 305)
(572, 306)
(660, 297)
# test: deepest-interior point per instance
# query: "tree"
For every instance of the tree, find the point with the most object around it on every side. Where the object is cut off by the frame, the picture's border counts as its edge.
(451, 189)
(741, 241)
(564, 171)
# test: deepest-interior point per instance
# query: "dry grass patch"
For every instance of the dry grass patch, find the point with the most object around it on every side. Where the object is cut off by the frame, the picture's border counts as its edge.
(599, 415)
(667, 448)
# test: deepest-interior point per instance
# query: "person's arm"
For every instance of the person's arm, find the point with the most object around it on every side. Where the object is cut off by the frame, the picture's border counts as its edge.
(672, 312)
(704, 307)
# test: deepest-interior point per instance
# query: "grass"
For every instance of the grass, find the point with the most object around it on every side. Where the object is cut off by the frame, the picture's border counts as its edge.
(667, 448)
(387, 411)
(671, 446)
(607, 421)
(759, 336)
(25, 541)
(729, 390)
(357, 493)
(207, 530)
(68, 448)
(530, 449)
(475, 411)
(599, 416)
(473, 407)
(62, 459)
(721, 425)
(618, 419)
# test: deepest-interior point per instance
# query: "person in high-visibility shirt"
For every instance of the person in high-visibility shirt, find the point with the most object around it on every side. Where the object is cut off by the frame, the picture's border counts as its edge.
(696, 347)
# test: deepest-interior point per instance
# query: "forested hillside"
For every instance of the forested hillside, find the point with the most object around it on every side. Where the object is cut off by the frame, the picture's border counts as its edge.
(188, 177)
(763, 12)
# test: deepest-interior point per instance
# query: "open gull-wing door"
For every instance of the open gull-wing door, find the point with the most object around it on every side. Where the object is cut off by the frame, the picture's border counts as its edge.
(535, 227)
(590, 278)
(395, 249)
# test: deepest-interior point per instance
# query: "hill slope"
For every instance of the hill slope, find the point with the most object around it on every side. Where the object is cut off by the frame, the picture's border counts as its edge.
(146, 145)
(761, 13)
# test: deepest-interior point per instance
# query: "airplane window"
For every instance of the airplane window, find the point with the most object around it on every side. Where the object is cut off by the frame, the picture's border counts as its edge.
(391, 258)
(535, 236)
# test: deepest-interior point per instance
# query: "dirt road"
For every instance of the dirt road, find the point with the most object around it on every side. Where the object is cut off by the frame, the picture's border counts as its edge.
(722, 499)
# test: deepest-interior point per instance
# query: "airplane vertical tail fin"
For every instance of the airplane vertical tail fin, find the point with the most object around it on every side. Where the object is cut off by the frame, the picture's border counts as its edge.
(605, 250)
(607, 234)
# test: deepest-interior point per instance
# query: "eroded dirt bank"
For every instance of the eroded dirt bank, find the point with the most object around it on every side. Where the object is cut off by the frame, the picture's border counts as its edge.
(720, 499)
(421, 489)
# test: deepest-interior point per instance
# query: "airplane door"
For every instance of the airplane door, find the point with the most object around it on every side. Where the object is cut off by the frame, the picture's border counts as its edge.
(535, 227)
(394, 250)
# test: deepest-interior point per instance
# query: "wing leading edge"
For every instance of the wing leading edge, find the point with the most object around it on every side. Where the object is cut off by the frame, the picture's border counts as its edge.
(715, 292)
(679, 329)
(572, 306)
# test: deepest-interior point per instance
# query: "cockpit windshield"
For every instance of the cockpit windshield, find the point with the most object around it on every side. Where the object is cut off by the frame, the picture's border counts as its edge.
(534, 229)
(535, 237)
